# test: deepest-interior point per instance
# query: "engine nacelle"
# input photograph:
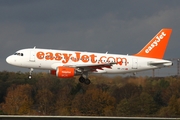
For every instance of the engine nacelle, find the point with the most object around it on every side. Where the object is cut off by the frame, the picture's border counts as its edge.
(63, 72)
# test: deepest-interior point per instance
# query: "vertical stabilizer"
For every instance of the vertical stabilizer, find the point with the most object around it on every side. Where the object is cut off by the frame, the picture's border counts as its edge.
(157, 46)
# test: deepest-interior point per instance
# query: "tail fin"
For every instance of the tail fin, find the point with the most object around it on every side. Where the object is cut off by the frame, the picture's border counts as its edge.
(157, 46)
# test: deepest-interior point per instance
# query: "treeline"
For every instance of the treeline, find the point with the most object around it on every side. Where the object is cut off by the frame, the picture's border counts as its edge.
(45, 94)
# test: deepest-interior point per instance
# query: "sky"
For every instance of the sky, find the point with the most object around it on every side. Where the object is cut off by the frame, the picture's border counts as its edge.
(116, 26)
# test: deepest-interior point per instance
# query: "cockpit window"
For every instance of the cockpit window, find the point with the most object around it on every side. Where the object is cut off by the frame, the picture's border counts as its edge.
(19, 54)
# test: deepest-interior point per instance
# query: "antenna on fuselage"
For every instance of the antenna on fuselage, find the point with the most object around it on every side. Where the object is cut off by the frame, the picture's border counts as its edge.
(107, 52)
(34, 47)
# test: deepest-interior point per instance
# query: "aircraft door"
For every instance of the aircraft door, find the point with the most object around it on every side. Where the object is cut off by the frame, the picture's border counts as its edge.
(32, 56)
(134, 63)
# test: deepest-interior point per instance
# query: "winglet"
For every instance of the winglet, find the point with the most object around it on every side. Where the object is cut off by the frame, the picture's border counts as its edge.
(157, 46)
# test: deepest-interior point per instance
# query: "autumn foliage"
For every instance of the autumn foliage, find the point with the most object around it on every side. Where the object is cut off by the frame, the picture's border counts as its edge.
(45, 94)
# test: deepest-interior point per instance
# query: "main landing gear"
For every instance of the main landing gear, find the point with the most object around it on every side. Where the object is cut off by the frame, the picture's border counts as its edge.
(30, 73)
(84, 80)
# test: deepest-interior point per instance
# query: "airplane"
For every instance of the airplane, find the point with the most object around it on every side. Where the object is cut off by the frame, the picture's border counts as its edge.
(67, 64)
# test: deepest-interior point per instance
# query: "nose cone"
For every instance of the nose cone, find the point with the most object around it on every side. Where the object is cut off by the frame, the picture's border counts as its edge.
(9, 60)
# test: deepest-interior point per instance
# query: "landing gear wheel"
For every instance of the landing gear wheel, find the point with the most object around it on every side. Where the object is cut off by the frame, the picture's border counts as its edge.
(81, 79)
(87, 81)
(30, 77)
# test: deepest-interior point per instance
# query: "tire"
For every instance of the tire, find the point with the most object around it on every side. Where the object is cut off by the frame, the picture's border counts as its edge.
(29, 76)
(81, 79)
(87, 81)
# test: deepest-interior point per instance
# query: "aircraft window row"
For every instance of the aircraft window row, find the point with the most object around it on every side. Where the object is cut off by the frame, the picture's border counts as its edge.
(84, 59)
(19, 54)
(89, 59)
(72, 58)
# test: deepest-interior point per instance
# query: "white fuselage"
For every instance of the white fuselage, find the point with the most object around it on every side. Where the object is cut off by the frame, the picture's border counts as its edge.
(51, 59)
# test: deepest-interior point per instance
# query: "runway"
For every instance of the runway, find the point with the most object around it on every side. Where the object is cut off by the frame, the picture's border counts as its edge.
(29, 117)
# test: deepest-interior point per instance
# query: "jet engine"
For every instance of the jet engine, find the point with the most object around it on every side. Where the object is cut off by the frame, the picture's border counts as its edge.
(63, 72)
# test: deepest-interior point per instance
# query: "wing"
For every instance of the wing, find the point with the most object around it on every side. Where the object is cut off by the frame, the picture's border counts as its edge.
(86, 67)
(92, 67)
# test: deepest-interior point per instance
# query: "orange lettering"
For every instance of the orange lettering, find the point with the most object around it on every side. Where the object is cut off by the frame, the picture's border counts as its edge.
(66, 57)
(49, 56)
(58, 56)
(93, 58)
(76, 59)
(101, 59)
(85, 58)
(40, 55)
(109, 59)
(120, 61)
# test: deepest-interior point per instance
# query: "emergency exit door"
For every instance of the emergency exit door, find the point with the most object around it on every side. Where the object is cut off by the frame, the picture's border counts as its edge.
(134, 63)
(32, 56)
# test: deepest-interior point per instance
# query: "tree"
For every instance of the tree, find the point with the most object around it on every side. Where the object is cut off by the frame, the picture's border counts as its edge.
(45, 101)
(63, 103)
(126, 91)
(18, 100)
(173, 108)
(123, 108)
(44, 97)
(137, 106)
(94, 102)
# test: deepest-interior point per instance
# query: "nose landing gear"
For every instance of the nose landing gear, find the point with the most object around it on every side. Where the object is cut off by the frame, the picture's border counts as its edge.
(30, 73)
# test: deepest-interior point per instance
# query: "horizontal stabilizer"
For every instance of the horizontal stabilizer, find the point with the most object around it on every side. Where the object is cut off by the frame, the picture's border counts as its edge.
(161, 63)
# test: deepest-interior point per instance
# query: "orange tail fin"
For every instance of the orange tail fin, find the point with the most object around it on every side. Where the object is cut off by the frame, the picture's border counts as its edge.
(157, 46)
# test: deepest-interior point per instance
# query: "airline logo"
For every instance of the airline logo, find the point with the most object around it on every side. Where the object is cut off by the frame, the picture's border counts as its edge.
(156, 42)
(66, 71)
(78, 56)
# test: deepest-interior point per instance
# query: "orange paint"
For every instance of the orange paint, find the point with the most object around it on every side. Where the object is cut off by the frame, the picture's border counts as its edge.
(120, 61)
(85, 58)
(78, 56)
(93, 57)
(157, 46)
(65, 72)
(66, 57)
(49, 56)
(40, 55)
(111, 59)
(58, 56)
(102, 59)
